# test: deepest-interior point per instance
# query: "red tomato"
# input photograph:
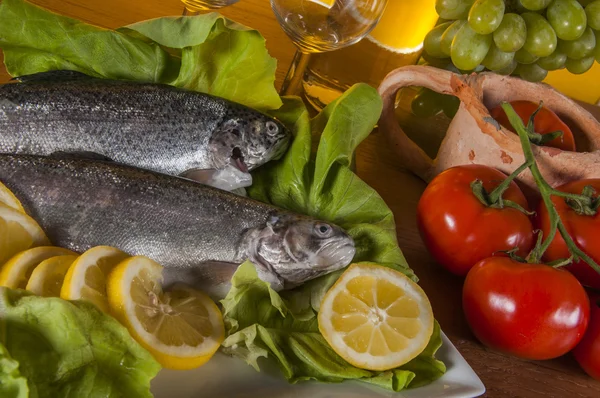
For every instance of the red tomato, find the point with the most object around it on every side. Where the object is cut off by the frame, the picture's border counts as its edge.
(459, 230)
(532, 311)
(584, 230)
(546, 121)
(587, 352)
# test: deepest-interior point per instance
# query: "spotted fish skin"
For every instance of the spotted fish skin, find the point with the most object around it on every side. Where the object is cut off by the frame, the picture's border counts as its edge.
(175, 221)
(152, 126)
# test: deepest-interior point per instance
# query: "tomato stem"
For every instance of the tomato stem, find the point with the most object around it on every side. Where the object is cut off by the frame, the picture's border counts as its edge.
(494, 199)
(537, 138)
(546, 191)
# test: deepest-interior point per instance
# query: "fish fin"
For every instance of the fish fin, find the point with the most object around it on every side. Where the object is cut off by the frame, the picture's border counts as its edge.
(211, 277)
(55, 75)
(227, 179)
(80, 155)
(203, 176)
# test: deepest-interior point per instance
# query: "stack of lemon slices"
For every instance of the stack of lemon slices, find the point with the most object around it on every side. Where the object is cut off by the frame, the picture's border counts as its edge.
(182, 328)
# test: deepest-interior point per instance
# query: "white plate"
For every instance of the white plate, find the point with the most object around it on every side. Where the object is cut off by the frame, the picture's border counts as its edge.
(228, 377)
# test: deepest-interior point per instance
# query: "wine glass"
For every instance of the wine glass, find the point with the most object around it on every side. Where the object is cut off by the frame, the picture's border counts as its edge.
(193, 7)
(323, 25)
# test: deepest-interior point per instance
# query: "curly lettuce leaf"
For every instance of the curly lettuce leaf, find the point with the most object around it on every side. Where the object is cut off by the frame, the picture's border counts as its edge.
(12, 384)
(206, 53)
(284, 327)
(323, 185)
(71, 349)
(261, 323)
(212, 54)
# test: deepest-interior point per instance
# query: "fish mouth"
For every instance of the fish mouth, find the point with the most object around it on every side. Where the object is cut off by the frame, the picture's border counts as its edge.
(336, 255)
(237, 160)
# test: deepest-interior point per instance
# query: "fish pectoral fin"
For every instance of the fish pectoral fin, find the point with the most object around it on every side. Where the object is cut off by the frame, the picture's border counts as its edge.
(80, 155)
(227, 179)
(203, 176)
(55, 75)
(210, 277)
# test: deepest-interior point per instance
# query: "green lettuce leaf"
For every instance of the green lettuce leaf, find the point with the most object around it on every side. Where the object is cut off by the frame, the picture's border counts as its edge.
(284, 327)
(212, 54)
(12, 384)
(206, 53)
(261, 323)
(71, 349)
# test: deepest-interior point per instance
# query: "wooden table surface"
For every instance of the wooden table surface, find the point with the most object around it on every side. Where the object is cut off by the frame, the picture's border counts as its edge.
(502, 375)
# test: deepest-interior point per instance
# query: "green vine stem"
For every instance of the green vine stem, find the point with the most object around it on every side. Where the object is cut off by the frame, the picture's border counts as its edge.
(537, 138)
(546, 191)
(494, 199)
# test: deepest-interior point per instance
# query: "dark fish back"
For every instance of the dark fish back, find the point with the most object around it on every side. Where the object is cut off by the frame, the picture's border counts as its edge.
(153, 126)
(177, 222)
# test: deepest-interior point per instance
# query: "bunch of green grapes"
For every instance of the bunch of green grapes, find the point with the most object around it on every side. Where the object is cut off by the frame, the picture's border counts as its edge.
(526, 38)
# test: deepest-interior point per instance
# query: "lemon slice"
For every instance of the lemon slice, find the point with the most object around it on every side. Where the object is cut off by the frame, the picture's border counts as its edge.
(18, 232)
(182, 328)
(47, 278)
(16, 272)
(376, 318)
(86, 277)
(9, 199)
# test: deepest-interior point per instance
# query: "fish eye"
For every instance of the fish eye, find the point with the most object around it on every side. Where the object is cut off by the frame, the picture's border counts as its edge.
(323, 229)
(272, 128)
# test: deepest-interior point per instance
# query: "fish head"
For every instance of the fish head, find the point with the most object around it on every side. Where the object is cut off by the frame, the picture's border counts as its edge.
(248, 140)
(298, 249)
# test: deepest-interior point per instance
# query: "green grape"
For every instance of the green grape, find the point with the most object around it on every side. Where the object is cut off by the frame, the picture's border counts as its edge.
(585, 2)
(597, 48)
(592, 11)
(448, 36)
(453, 9)
(450, 105)
(469, 48)
(579, 66)
(523, 57)
(531, 73)
(426, 103)
(535, 5)
(580, 48)
(511, 34)
(486, 15)
(508, 70)
(431, 43)
(554, 61)
(441, 63)
(541, 38)
(497, 59)
(567, 18)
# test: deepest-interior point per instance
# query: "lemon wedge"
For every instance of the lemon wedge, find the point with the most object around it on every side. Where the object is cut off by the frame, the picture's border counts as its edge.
(182, 328)
(86, 277)
(18, 232)
(47, 278)
(376, 318)
(9, 199)
(16, 272)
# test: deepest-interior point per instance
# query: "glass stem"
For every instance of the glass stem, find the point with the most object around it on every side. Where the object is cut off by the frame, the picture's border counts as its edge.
(188, 13)
(293, 79)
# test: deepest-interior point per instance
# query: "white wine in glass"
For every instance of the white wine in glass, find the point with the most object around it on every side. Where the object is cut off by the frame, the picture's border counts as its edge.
(317, 26)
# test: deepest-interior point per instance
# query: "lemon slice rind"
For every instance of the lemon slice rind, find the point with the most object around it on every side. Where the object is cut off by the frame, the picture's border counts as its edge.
(121, 304)
(366, 360)
(75, 286)
(14, 273)
(49, 270)
(9, 199)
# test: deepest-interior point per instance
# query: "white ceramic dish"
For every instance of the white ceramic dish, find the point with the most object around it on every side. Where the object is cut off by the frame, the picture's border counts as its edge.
(229, 377)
